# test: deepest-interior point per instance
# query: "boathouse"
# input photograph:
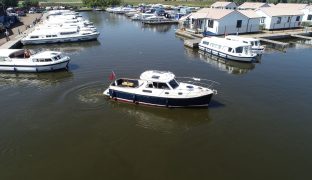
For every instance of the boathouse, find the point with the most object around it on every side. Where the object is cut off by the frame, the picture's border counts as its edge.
(280, 18)
(252, 5)
(224, 5)
(212, 21)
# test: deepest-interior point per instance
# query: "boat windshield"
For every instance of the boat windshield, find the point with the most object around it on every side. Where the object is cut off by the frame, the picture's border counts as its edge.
(239, 49)
(174, 84)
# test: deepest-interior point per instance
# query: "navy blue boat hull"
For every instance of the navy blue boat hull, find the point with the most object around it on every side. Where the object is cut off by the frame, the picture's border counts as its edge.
(201, 101)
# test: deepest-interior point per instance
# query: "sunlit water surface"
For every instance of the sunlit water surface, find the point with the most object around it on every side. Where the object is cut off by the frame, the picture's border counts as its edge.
(59, 126)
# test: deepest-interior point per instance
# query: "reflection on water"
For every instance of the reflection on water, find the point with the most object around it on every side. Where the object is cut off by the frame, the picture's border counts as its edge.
(158, 28)
(34, 79)
(162, 119)
(69, 48)
(232, 67)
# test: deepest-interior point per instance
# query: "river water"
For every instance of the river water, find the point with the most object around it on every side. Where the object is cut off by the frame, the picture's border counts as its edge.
(59, 126)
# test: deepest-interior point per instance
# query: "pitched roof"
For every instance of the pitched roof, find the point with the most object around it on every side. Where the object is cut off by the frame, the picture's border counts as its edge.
(249, 13)
(291, 5)
(221, 4)
(211, 13)
(251, 5)
(275, 11)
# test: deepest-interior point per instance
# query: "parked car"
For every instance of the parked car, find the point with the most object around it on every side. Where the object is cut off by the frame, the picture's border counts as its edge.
(20, 13)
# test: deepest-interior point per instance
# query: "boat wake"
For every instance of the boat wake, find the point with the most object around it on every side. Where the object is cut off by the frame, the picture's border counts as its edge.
(85, 97)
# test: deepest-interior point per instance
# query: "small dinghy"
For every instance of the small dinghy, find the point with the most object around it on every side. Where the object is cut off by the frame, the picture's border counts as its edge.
(160, 88)
(20, 60)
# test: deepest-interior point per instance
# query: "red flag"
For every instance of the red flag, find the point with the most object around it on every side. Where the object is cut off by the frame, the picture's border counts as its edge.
(112, 76)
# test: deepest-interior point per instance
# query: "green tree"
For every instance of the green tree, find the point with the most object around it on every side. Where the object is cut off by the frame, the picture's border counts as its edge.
(93, 3)
(7, 3)
(29, 3)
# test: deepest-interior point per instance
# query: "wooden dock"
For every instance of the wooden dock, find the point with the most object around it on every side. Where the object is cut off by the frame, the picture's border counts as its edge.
(192, 43)
(275, 44)
(300, 36)
(161, 22)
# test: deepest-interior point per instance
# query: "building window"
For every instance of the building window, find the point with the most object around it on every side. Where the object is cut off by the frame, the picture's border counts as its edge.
(262, 20)
(309, 17)
(279, 19)
(298, 18)
(239, 24)
(210, 23)
(289, 18)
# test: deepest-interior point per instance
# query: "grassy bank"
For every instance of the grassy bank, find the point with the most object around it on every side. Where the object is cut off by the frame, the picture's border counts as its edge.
(132, 2)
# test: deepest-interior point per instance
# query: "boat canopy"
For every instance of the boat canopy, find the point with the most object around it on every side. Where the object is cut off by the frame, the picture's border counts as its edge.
(8, 52)
(157, 76)
(224, 42)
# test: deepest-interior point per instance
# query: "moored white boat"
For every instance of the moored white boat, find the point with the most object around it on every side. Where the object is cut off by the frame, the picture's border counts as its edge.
(160, 88)
(20, 60)
(43, 36)
(255, 44)
(227, 49)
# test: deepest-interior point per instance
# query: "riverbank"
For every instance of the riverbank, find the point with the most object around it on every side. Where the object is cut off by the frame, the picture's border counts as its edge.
(19, 30)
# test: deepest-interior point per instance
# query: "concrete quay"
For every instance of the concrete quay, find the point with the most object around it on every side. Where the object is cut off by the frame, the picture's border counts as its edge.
(19, 31)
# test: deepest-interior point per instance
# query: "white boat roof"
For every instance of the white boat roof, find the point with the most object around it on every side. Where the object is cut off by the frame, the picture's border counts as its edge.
(224, 42)
(157, 76)
(46, 54)
(241, 38)
(53, 31)
(8, 52)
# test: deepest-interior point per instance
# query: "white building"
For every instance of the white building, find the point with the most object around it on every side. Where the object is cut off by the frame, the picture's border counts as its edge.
(221, 21)
(252, 5)
(307, 13)
(223, 5)
(280, 18)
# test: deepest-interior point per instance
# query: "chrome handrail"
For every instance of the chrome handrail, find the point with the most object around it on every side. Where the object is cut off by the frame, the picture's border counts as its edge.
(197, 81)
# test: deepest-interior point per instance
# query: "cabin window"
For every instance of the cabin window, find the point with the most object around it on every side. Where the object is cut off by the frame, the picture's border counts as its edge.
(289, 18)
(279, 19)
(160, 85)
(298, 18)
(48, 36)
(239, 24)
(205, 42)
(34, 37)
(239, 49)
(54, 35)
(174, 84)
(150, 85)
(57, 57)
(66, 33)
(309, 17)
(210, 23)
(230, 49)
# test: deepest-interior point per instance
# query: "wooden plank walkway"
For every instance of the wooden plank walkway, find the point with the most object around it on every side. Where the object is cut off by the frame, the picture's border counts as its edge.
(276, 44)
(192, 43)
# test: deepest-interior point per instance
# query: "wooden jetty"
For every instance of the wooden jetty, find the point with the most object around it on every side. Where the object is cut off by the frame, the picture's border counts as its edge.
(300, 36)
(192, 43)
(276, 44)
(161, 22)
